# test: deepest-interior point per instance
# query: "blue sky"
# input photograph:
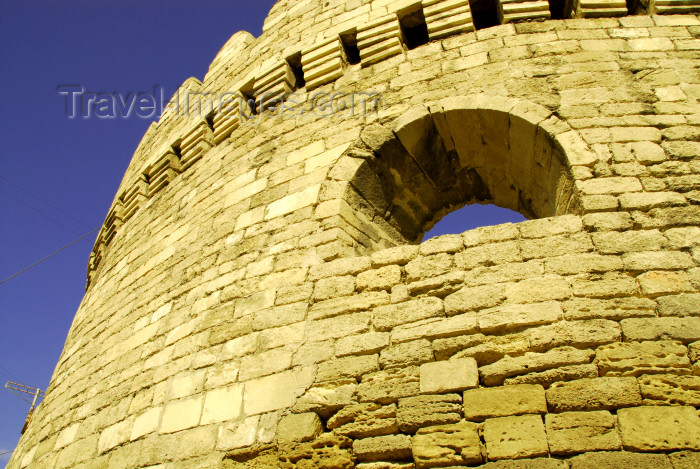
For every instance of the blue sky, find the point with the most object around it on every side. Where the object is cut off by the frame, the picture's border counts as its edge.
(58, 176)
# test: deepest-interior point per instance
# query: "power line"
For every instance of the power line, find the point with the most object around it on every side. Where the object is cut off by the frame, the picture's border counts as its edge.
(38, 211)
(7, 372)
(49, 256)
(6, 452)
(45, 201)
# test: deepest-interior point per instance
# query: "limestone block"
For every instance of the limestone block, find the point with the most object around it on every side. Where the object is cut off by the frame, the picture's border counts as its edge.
(347, 367)
(399, 255)
(538, 289)
(483, 403)
(593, 394)
(515, 437)
(656, 282)
(182, 414)
(428, 266)
(383, 448)
(657, 260)
(422, 411)
(332, 287)
(447, 445)
(548, 377)
(655, 428)
(345, 266)
(670, 389)
(434, 328)
(615, 460)
(382, 278)
(636, 358)
(555, 246)
(370, 342)
(685, 459)
(299, 427)
(364, 420)
(238, 434)
(449, 375)
(340, 326)
(552, 226)
(444, 243)
(516, 316)
(507, 367)
(388, 386)
(385, 465)
(276, 391)
(439, 286)
(488, 254)
(146, 422)
(265, 363)
(608, 285)
(474, 299)
(485, 349)
(580, 432)
(326, 398)
(492, 234)
(386, 317)
(114, 435)
(613, 308)
(66, 436)
(590, 333)
(328, 450)
(349, 304)
(683, 329)
(628, 241)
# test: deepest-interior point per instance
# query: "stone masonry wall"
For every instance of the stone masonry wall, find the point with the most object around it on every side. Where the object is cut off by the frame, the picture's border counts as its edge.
(258, 296)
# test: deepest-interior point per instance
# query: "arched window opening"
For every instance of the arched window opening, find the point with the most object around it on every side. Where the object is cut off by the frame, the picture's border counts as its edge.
(472, 216)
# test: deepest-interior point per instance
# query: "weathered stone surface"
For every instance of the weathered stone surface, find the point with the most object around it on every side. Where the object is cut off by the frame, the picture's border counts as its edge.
(683, 329)
(496, 373)
(514, 316)
(347, 367)
(385, 318)
(222, 404)
(423, 411)
(483, 403)
(565, 373)
(515, 437)
(449, 375)
(670, 389)
(636, 358)
(435, 328)
(406, 354)
(361, 344)
(328, 451)
(685, 459)
(616, 460)
(388, 386)
(364, 420)
(447, 445)
(613, 308)
(474, 299)
(685, 304)
(379, 279)
(181, 414)
(535, 463)
(299, 427)
(656, 428)
(593, 394)
(383, 448)
(590, 334)
(580, 432)
(326, 398)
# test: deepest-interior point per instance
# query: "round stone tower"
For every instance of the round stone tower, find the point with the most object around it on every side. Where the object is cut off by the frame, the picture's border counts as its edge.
(259, 297)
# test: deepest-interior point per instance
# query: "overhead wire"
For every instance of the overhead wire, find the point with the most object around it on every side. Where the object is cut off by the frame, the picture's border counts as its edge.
(26, 204)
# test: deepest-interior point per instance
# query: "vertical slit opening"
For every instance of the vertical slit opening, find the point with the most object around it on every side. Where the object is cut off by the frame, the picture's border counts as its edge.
(295, 64)
(414, 29)
(248, 94)
(210, 120)
(176, 149)
(350, 50)
(484, 13)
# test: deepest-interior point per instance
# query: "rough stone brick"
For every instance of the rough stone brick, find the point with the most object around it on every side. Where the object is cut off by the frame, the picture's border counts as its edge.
(388, 386)
(657, 260)
(593, 394)
(516, 316)
(389, 447)
(495, 373)
(349, 304)
(483, 403)
(474, 299)
(655, 428)
(299, 427)
(328, 450)
(347, 367)
(612, 308)
(636, 358)
(427, 410)
(276, 391)
(491, 234)
(364, 420)
(449, 375)
(515, 437)
(540, 289)
(447, 445)
(332, 287)
(663, 283)
(608, 221)
(615, 460)
(361, 344)
(382, 278)
(444, 243)
(182, 414)
(670, 389)
(222, 404)
(488, 254)
(626, 241)
(406, 353)
(389, 316)
(685, 459)
(428, 266)
(399, 255)
(326, 398)
(683, 329)
(685, 304)
(555, 246)
(547, 377)
(581, 432)
(435, 328)
(588, 333)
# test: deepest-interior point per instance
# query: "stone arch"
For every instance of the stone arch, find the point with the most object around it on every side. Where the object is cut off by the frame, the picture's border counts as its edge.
(405, 176)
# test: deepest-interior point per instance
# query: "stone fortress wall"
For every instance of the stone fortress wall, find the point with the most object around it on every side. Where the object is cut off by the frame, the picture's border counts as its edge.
(259, 297)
